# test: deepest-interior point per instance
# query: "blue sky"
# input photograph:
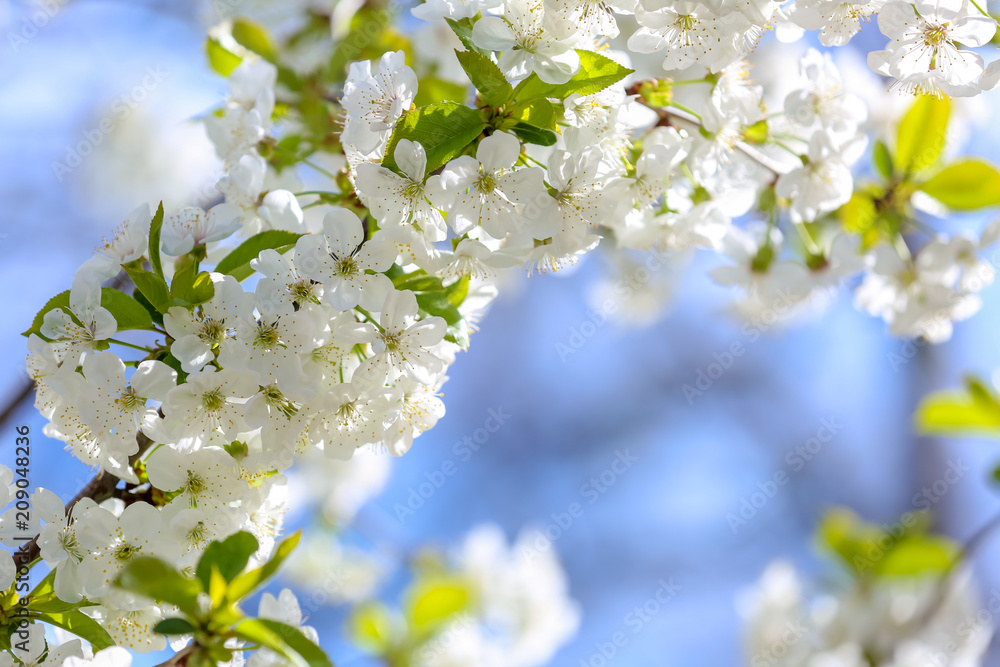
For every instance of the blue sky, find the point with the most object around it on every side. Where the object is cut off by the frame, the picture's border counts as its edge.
(622, 390)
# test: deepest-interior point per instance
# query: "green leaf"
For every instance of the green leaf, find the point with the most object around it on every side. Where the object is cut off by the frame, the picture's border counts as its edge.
(444, 130)
(922, 133)
(434, 90)
(245, 583)
(539, 112)
(43, 598)
(882, 159)
(253, 630)
(155, 314)
(596, 73)
(370, 627)
(151, 286)
(973, 411)
(434, 601)
(221, 59)
(418, 281)
(255, 37)
(437, 304)
(189, 288)
(918, 555)
(966, 186)
(284, 640)
(237, 262)
(81, 625)
(530, 134)
(60, 300)
(493, 87)
(457, 291)
(463, 30)
(867, 549)
(128, 313)
(161, 582)
(230, 556)
(859, 216)
(155, 228)
(174, 626)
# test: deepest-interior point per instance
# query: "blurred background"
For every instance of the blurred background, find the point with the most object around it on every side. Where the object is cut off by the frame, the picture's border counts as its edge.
(577, 388)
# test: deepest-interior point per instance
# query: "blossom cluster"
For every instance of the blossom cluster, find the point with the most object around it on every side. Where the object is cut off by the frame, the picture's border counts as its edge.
(899, 623)
(264, 329)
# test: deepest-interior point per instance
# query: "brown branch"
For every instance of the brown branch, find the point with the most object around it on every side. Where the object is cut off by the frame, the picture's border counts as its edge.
(22, 395)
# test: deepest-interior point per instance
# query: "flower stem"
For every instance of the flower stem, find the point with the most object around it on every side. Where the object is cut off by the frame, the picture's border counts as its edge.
(369, 317)
(123, 343)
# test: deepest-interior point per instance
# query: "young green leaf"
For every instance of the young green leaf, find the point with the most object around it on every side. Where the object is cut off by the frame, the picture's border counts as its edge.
(159, 581)
(81, 625)
(43, 598)
(918, 555)
(128, 313)
(418, 281)
(247, 582)
(975, 410)
(284, 640)
(966, 186)
(221, 59)
(189, 288)
(530, 134)
(596, 73)
(882, 159)
(463, 30)
(433, 90)
(155, 230)
(60, 300)
(229, 556)
(174, 626)
(922, 133)
(370, 627)
(255, 37)
(151, 286)
(437, 304)
(444, 130)
(237, 262)
(539, 112)
(457, 291)
(493, 87)
(432, 602)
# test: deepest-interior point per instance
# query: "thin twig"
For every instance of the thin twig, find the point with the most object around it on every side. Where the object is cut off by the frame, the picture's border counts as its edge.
(22, 395)
(943, 584)
(669, 114)
(179, 658)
